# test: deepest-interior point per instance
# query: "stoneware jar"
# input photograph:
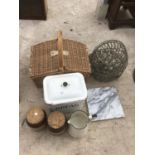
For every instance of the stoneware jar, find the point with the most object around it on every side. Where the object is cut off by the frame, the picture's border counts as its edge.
(56, 122)
(36, 118)
(78, 123)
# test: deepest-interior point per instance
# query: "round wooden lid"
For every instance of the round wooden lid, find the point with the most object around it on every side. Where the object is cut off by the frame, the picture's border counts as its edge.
(35, 115)
(56, 120)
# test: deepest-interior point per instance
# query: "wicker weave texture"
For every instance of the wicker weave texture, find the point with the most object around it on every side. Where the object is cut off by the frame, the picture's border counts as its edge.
(42, 63)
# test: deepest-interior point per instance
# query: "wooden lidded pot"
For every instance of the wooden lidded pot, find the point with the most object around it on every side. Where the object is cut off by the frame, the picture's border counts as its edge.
(57, 122)
(36, 118)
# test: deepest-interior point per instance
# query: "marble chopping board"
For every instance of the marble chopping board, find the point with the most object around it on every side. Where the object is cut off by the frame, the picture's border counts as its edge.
(104, 103)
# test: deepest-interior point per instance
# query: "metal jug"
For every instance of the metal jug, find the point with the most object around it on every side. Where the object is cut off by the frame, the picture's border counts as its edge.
(78, 123)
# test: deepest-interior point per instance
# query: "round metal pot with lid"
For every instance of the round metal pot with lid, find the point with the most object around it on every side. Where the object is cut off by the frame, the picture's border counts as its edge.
(78, 123)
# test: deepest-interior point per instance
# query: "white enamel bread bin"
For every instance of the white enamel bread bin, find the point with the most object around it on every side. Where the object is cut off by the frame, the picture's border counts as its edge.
(65, 92)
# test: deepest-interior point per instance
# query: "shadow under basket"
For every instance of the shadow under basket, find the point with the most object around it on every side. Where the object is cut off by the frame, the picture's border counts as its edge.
(57, 57)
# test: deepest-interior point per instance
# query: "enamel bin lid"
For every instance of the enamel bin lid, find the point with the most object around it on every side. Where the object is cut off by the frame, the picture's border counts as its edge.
(64, 88)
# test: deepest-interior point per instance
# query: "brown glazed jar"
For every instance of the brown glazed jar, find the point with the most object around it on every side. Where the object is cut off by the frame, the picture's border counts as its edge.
(36, 118)
(57, 122)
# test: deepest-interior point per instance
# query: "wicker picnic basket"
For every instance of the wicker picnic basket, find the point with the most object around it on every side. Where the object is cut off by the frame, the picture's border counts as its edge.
(58, 56)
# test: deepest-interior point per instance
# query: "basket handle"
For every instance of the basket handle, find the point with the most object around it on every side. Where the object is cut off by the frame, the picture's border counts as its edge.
(60, 51)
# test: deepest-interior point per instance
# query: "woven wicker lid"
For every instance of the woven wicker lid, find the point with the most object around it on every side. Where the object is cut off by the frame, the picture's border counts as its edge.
(58, 56)
(56, 120)
(35, 116)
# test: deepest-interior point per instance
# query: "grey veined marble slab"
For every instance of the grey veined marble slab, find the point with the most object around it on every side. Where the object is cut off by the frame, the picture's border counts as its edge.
(104, 103)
